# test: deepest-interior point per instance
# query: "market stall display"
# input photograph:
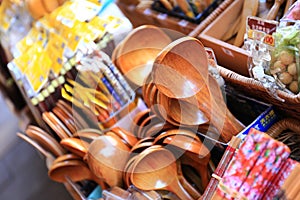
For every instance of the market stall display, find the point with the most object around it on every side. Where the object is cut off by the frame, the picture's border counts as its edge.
(147, 118)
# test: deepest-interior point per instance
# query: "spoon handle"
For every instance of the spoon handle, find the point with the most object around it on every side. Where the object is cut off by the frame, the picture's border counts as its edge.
(35, 145)
(177, 189)
(185, 184)
(231, 127)
(274, 10)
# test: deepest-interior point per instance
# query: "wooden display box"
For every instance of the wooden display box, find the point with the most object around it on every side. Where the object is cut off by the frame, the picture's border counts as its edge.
(228, 56)
(140, 17)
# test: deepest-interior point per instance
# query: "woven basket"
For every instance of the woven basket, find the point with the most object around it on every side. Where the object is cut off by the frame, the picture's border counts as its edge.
(252, 88)
(289, 107)
(288, 132)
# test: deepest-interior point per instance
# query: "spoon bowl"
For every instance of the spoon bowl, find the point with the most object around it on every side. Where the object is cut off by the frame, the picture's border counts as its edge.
(157, 170)
(135, 55)
(107, 157)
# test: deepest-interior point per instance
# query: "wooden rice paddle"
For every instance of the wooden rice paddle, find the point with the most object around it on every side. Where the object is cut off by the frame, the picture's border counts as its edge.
(249, 9)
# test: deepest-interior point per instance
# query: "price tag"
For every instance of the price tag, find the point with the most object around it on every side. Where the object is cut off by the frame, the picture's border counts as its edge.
(261, 29)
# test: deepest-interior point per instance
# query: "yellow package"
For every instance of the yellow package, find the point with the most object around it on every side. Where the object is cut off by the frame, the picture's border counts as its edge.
(5, 6)
(56, 56)
(38, 69)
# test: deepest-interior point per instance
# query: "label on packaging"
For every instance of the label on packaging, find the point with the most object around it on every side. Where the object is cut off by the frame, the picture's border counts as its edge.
(261, 29)
(262, 123)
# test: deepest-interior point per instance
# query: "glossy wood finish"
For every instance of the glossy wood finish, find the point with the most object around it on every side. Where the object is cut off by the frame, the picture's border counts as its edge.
(158, 170)
(45, 140)
(138, 50)
(107, 158)
(76, 170)
(181, 72)
(75, 145)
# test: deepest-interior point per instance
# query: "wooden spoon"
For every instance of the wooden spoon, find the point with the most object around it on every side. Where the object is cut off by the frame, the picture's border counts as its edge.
(182, 111)
(195, 154)
(76, 170)
(65, 157)
(54, 126)
(49, 157)
(181, 69)
(68, 122)
(46, 141)
(176, 132)
(106, 158)
(79, 121)
(186, 185)
(125, 135)
(75, 145)
(138, 50)
(90, 136)
(172, 78)
(128, 169)
(138, 119)
(158, 170)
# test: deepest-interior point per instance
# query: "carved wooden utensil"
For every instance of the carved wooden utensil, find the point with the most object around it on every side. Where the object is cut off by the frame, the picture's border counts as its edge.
(138, 50)
(157, 169)
(274, 10)
(250, 8)
(181, 71)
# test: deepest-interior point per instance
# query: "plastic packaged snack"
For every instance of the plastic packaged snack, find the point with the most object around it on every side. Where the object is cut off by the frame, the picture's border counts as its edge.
(285, 64)
(274, 50)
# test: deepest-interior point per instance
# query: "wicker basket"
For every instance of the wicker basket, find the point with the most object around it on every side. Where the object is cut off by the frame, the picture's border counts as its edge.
(289, 107)
(288, 132)
(252, 88)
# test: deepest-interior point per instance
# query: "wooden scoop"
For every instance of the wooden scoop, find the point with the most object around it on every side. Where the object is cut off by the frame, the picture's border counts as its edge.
(181, 71)
(107, 158)
(195, 155)
(75, 145)
(76, 170)
(138, 50)
(45, 140)
(183, 112)
(158, 170)
(125, 135)
(49, 157)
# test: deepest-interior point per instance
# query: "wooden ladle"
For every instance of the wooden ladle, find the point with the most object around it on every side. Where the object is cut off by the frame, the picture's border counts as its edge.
(182, 111)
(76, 170)
(75, 145)
(158, 170)
(194, 153)
(45, 140)
(49, 157)
(138, 51)
(107, 157)
(181, 71)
